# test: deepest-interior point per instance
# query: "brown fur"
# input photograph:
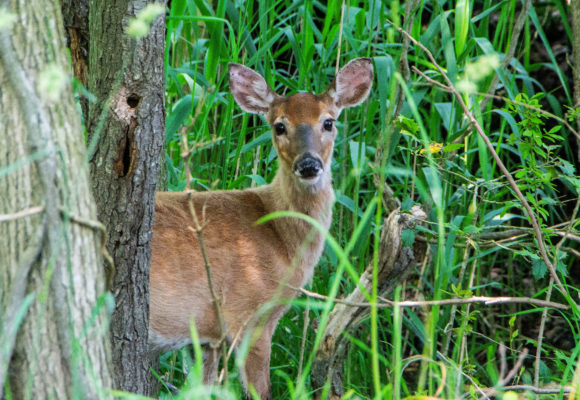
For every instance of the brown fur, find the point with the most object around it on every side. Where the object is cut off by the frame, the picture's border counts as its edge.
(251, 265)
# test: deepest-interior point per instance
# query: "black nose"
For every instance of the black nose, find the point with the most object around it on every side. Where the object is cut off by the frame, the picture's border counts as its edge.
(308, 166)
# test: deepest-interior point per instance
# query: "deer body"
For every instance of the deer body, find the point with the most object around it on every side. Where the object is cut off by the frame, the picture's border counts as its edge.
(251, 265)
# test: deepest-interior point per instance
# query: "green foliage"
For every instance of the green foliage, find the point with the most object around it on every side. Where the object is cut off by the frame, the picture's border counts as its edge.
(139, 26)
(480, 241)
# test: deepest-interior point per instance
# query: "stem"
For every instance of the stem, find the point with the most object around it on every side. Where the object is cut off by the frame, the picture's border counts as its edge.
(500, 164)
(215, 300)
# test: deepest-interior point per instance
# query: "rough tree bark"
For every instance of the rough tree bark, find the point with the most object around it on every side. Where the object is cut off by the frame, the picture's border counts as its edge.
(75, 14)
(53, 332)
(127, 125)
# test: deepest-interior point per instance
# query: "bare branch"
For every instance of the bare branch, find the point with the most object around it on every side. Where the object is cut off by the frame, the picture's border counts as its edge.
(223, 332)
(385, 303)
(500, 164)
(21, 214)
(508, 377)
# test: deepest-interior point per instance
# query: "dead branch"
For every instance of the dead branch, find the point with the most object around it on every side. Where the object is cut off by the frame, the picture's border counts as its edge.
(198, 230)
(394, 264)
(21, 214)
(386, 303)
(537, 230)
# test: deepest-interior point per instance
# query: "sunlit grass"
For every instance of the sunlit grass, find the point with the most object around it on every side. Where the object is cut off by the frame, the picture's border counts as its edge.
(295, 46)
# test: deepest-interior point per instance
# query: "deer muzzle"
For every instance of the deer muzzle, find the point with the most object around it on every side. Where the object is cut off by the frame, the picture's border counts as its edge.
(308, 167)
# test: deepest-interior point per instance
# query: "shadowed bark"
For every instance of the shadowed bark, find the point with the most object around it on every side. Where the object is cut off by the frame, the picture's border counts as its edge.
(126, 135)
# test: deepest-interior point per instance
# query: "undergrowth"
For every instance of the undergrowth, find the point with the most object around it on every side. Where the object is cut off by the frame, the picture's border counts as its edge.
(481, 242)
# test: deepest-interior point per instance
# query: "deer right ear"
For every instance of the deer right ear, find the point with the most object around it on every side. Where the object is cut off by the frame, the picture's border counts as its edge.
(250, 90)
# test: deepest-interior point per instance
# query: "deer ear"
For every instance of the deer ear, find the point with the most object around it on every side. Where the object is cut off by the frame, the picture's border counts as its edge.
(352, 84)
(250, 90)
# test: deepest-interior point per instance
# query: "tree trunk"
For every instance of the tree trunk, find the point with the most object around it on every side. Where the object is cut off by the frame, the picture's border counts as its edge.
(127, 77)
(53, 327)
(75, 14)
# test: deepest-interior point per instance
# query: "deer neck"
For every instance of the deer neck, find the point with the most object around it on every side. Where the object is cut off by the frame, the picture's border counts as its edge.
(304, 244)
(313, 200)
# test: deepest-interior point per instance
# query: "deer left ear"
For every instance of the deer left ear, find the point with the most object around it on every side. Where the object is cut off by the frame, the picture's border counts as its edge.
(352, 84)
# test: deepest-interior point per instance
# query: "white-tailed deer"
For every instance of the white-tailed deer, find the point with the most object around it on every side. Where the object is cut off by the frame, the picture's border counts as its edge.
(251, 264)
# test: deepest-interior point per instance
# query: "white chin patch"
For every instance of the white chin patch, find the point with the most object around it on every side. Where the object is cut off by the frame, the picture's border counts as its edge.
(309, 181)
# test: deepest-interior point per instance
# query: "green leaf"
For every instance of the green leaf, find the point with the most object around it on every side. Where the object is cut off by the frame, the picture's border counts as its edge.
(470, 229)
(539, 269)
(462, 13)
(181, 110)
(407, 204)
(527, 253)
(407, 126)
(452, 147)
(357, 154)
(407, 237)
(561, 267)
(566, 167)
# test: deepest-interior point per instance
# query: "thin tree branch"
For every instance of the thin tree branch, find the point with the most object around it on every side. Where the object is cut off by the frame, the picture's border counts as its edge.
(500, 164)
(385, 303)
(511, 373)
(503, 98)
(198, 229)
(21, 214)
(548, 295)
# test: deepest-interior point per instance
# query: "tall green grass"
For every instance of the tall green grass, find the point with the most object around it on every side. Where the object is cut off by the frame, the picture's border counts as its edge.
(444, 351)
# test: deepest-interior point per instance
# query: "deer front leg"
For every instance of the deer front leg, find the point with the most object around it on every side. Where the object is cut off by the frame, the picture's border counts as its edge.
(257, 368)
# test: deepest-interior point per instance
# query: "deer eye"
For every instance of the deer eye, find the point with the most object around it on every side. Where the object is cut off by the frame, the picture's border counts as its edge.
(280, 128)
(327, 125)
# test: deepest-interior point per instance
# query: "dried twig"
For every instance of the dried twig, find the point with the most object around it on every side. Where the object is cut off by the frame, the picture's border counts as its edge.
(21, 214)
(198, 230)
(538, 390)
(385, 303)
(503, 379)
(537, 230)
(511, 373)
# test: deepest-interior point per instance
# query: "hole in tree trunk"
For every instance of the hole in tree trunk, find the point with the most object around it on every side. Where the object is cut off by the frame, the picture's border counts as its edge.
(127, 162)
(133, 100)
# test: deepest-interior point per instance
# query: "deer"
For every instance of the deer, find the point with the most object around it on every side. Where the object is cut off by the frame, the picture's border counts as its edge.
(251, 264)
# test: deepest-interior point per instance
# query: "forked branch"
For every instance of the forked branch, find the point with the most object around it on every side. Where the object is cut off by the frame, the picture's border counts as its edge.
(198, 230)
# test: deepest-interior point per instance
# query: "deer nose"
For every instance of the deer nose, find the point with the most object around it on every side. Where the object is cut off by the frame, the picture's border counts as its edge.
(308, 166)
